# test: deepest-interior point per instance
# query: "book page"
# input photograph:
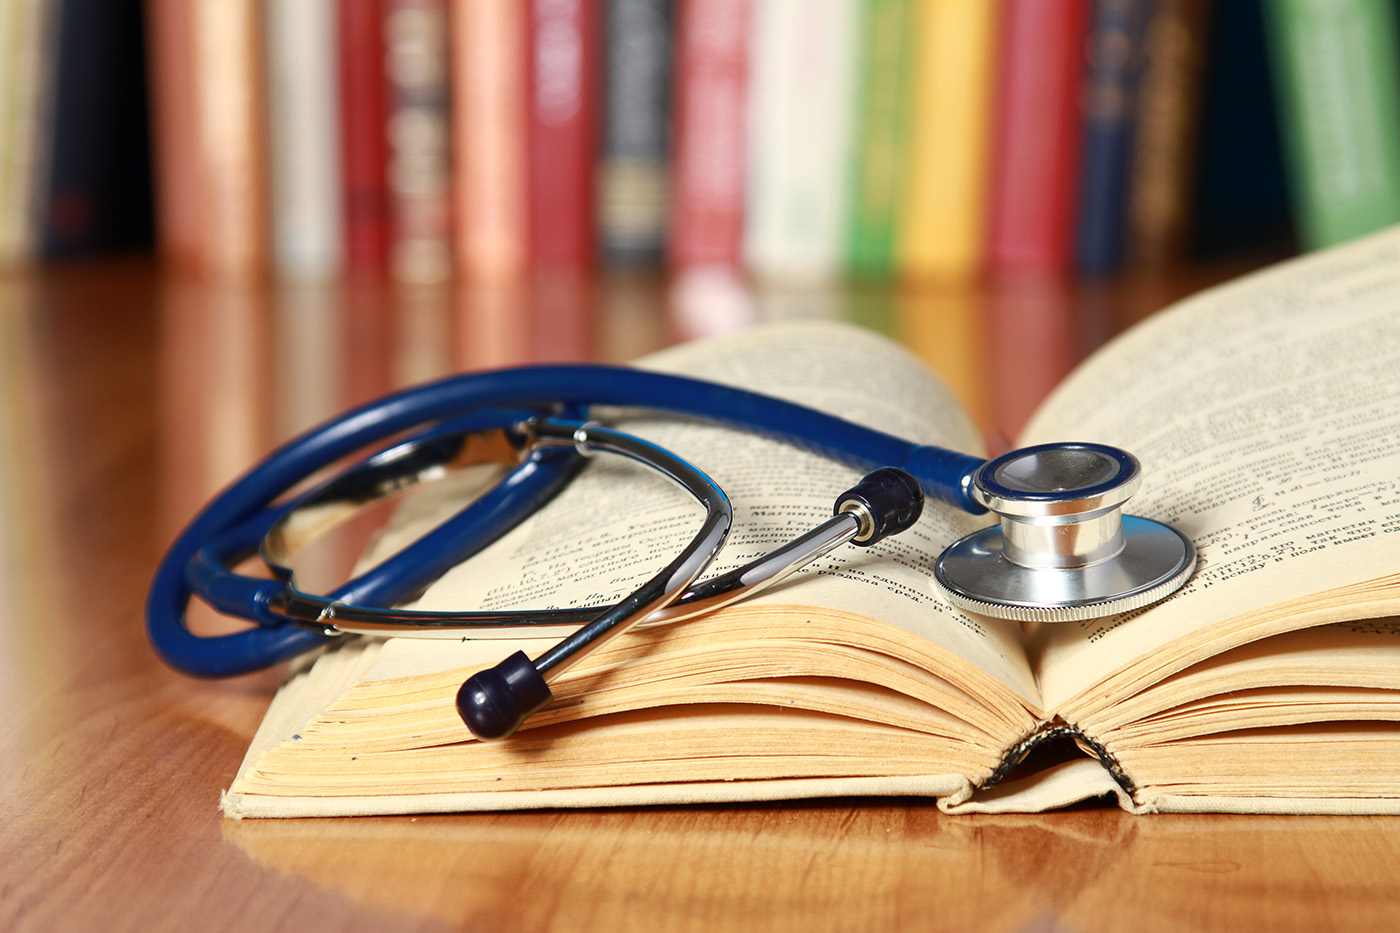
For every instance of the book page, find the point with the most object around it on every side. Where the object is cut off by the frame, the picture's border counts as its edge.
(1266, 414)
(618, 523)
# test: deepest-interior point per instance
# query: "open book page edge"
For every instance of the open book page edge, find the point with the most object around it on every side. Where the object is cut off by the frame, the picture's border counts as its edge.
(301, 697)
(1362, 655)
(239, 805)
(1345, 604)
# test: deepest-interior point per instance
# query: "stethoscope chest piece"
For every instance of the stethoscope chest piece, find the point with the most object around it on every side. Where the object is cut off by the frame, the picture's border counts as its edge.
(1063, 551)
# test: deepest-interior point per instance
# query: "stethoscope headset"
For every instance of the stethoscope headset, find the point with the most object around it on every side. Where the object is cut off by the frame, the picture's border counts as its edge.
(1062, 551)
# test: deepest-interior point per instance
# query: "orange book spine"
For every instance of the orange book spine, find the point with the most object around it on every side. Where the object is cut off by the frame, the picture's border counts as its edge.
(230, 140)
(488, 128)
(170, 34)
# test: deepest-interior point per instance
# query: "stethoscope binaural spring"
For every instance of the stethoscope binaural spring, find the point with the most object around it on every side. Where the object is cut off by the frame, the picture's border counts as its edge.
(1062, 550)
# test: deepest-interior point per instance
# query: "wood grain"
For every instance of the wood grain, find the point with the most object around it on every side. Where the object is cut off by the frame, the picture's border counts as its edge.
(128, 398)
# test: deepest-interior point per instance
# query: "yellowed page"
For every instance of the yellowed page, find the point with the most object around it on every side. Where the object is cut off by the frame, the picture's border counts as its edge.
(1267, 417)
(618, 524)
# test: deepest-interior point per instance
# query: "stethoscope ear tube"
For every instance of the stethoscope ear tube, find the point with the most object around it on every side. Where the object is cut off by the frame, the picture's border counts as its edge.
(232, 525)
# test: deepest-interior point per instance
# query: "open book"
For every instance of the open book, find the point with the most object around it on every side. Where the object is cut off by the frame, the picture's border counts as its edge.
(1266, 414)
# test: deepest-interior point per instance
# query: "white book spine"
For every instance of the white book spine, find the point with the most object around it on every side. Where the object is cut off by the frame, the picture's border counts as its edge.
(801, 137)
(303, 138)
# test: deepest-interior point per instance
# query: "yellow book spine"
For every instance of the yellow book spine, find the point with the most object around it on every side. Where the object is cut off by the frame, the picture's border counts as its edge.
(941, 231)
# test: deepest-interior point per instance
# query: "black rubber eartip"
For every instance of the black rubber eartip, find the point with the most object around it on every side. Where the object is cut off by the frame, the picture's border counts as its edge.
(494, 702)
(892, 498)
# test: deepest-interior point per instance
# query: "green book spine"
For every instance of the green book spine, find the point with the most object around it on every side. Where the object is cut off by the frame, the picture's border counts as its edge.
(882, 128)
(1338, 88)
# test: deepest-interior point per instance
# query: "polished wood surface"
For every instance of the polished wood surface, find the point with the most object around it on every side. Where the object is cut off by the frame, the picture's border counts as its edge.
(125, 399)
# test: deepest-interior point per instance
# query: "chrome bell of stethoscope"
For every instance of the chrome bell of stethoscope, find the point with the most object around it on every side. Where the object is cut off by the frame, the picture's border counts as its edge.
(1063, 551)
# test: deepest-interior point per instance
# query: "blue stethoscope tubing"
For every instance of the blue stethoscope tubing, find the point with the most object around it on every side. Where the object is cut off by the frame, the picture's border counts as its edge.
(230, 527)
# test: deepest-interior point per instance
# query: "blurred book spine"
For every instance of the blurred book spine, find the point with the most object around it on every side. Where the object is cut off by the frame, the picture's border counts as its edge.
(230, 141)
(1115, 58)
(633, 170)
(710, 129)
(488, 138)
(364, 145)
(303, 139)
(942, 229)
(1034, 188)
(882, 134)
(1339, 94)
(27, 34)
(800, 145)
(562, 138)
(170, 40)
(419, 133)
(1160, 189)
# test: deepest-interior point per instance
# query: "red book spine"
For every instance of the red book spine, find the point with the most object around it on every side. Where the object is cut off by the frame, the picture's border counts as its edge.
(562, 132)
(708, 146)
(1036, 136)
(364, 143)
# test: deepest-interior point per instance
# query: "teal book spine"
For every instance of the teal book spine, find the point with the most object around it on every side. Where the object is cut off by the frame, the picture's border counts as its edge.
(1338, 88)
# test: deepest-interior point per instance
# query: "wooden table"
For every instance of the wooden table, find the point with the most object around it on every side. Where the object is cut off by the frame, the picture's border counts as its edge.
(125, 399)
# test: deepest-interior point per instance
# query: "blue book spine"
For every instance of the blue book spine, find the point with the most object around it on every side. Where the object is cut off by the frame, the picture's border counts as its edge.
(1115, 54)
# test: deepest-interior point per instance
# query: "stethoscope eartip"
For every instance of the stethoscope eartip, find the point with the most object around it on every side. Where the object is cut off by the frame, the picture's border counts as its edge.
(494, 702)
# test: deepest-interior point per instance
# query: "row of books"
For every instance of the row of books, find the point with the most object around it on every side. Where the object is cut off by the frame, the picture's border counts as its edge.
(924, 139)
(794, 139)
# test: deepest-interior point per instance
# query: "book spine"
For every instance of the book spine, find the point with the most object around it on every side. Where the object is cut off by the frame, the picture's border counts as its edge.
(303, 139)
(488, 135)
(26, 37)
(1339, 94)
(83, 84)
(1034, 186)
(800, 136)
(419, 181)
(363, 135)
(632, 180)
(1160, 190)
(709, 133)
(942, 230)
(1240, 202)
(170, 39)
(563, 130)
(882, 131)
(230, 117)
(1115, 57)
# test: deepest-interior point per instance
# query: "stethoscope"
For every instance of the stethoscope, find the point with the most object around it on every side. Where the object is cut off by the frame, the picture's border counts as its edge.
(1063, 551)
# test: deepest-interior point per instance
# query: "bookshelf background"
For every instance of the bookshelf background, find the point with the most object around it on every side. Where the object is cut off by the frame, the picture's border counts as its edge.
(1000, 184)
